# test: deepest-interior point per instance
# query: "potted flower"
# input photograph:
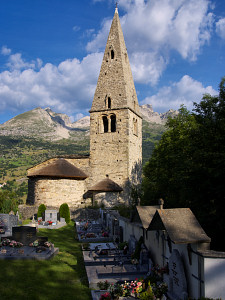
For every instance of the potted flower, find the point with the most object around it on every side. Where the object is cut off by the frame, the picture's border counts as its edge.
(105, 296)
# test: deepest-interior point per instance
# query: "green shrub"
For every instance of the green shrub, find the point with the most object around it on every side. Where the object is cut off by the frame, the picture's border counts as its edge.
(122, 245)
(41, 210)
(64, 212)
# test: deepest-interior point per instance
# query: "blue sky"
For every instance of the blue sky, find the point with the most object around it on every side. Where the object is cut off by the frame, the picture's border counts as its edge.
(51, 52)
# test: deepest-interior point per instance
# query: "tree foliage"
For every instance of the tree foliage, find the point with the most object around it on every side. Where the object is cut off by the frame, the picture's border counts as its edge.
(41, 210)
(8, 201)
(64, 212)
(187, 167)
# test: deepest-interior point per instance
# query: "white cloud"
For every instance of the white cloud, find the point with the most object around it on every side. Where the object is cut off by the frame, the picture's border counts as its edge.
(5, 50)
(147, 67)
(68, 87)
(99, 40)
(220, 28)
(16, 62)
(186, 91)
(159, 26)
(77, 117)
(152, 29)
(76, 28)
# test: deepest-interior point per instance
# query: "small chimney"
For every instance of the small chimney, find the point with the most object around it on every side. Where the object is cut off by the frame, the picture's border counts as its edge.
(139, 201)
(161, 202)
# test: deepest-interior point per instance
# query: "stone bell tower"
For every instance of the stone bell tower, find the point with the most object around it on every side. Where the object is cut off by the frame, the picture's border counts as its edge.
(116, 122)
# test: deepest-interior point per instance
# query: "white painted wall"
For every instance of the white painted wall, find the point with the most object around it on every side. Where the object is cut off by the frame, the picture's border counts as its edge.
(214, 277)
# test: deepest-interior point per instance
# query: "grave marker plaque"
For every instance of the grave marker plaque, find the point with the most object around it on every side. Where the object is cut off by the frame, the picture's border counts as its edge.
(178, 283)
(24, 234)
(51, 215)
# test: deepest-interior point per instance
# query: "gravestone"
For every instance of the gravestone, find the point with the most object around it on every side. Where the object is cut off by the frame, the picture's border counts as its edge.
(51, 215)
(7, 222)
(24, 234)
(116, 227)
(143, 256)
(177, 289)
(104, 219)
(121, 234)
(132, 244)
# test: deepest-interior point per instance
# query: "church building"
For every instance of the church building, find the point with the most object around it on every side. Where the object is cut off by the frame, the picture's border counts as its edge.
(114, 165)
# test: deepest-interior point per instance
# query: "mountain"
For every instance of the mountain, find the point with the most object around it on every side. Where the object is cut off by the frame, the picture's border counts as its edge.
(153, 117)
(47, 125)
(39, 134)
(42, 124)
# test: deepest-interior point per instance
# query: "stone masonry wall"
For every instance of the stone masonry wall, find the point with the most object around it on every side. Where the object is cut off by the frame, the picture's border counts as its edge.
(54, 192)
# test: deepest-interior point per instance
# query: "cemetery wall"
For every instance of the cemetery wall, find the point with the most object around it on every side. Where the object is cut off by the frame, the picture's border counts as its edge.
(155, 243)
(214, 274)
(191, 267)
(109, 199)
(130, 229)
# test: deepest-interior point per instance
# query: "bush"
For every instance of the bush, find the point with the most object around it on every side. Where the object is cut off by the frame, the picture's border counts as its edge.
(41, 210)
(64, 212)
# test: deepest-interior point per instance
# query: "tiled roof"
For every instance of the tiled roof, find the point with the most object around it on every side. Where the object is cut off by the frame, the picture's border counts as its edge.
(144, 215)
(59, 168)
(106, 185)
(180, 224)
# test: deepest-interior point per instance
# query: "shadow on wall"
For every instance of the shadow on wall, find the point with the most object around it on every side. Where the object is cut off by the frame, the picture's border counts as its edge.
(132, 187)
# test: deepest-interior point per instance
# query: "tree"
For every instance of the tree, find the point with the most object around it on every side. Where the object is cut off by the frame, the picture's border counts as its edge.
(64, 212)
(187, 167)
(41, 210)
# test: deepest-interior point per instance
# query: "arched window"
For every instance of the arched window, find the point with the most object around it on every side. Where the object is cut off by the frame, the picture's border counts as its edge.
(105, 123)
(109, 102)
(113, 123)
(112, 54)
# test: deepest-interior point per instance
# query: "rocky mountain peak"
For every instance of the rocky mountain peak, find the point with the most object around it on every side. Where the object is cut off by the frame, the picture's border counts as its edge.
(46, 124)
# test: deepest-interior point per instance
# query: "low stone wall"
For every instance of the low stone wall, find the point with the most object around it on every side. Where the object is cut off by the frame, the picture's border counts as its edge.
(85, 214)
(27, 212)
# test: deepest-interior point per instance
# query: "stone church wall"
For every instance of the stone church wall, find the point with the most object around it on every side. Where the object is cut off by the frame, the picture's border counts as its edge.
(54, 192)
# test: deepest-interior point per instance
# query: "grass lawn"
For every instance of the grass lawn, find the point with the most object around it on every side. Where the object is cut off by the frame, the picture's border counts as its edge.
(62, 277)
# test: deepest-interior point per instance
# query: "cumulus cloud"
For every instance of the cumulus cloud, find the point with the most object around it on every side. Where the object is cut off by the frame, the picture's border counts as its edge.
(68, 87)
(159, 26)
(186, 91)
(5, 50)
(152, 29)
(220, 28)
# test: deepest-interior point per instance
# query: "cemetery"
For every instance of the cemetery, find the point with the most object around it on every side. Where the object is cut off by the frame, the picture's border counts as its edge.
(144, 255)
(22, 242)
(167, 247)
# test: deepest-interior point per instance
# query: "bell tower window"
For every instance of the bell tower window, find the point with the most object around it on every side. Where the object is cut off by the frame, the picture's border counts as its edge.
(113, 123)
(109, 102)
(105, 123)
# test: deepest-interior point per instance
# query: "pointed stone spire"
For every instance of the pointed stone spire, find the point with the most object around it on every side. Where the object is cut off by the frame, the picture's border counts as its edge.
(115, 88)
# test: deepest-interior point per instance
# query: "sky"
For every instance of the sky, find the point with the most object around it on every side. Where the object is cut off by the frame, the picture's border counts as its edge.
(51, 52)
